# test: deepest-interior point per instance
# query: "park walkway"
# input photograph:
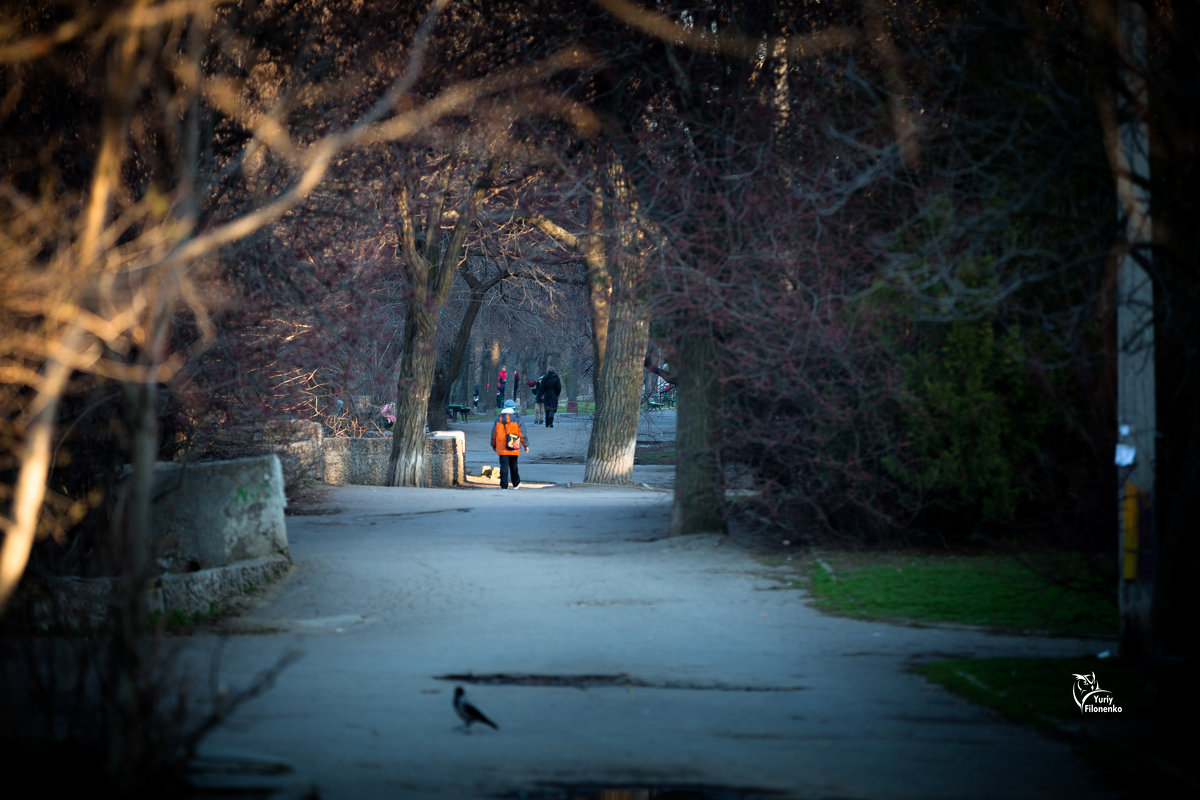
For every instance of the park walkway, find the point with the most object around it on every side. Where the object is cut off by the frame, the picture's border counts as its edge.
(608, 655)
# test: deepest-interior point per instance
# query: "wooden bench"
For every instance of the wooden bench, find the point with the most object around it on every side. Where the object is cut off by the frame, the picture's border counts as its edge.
(456, 412)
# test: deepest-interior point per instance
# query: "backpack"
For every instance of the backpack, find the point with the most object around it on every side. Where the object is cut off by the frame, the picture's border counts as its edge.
(512, 441)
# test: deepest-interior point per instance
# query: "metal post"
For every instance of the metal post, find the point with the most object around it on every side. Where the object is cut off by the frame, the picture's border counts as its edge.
(1136, 421)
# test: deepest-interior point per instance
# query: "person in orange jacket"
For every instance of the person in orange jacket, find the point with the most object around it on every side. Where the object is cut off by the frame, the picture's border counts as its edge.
(508, 437)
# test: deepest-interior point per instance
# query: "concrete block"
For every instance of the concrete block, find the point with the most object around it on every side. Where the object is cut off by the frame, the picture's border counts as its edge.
(214, 513)
(360, 461)
(445, 454)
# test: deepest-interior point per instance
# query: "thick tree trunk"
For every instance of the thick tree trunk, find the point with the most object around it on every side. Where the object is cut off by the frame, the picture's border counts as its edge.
(699, 503)
(618, 395)
(406, 464)
(439, 397)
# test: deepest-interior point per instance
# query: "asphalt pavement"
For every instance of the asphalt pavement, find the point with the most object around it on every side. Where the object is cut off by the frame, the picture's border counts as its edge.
(609, 655)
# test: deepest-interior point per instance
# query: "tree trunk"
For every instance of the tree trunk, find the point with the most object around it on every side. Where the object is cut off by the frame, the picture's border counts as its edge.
(439, 397)
(618, 395)
(406, 464)
(429, 270)
(132, 530)
(699, 503)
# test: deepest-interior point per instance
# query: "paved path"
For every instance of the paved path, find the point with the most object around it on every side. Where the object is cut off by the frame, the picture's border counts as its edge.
(702, 671)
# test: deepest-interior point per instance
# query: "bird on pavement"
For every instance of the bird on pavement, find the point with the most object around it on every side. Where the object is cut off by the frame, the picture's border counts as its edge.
(467, 712)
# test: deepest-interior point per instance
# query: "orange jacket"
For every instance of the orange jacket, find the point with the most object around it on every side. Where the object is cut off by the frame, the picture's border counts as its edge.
(507, 424)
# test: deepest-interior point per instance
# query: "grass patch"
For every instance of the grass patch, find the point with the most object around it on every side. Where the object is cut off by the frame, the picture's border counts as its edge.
(1067, 594)
(179, 621)
(1037, 692)
(655, 454)
(1061, 595)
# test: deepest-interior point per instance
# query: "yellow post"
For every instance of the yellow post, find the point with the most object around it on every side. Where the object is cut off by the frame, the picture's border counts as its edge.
(1131, 508)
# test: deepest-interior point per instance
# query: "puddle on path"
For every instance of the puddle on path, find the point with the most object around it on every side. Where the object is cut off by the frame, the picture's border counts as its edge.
(666, 791)
(621, 680)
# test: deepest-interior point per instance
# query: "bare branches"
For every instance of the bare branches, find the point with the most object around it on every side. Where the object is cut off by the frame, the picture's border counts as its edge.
(91, 272)
(728, 43)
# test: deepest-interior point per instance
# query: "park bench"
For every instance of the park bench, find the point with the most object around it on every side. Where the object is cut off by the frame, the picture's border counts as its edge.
(657, 402)
(456, 412)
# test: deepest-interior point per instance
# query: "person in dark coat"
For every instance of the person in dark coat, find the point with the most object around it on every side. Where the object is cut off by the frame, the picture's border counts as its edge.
(549, 388)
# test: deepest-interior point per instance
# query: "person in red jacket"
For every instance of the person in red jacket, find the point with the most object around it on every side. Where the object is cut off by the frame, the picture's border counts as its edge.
(508, 437)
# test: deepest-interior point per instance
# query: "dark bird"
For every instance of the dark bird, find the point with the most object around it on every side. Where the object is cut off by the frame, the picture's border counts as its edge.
(467, 712)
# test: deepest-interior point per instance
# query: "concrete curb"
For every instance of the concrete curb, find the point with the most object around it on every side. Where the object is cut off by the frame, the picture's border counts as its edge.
(88, 603)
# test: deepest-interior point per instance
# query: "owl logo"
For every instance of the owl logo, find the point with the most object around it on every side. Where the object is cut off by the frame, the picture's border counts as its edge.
(1087, 689)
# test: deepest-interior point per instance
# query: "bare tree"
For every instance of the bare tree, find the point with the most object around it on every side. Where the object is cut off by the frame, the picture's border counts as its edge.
(614, 249)
(138, 141)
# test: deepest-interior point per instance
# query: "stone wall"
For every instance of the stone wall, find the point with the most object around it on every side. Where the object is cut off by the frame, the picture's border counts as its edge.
(215, 513)
(363, 460)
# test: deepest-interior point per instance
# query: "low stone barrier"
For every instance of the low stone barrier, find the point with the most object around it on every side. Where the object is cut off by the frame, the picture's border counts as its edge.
(86, 604)
(363, 460)
(218, 530)
(214, 513)
(445, 454)
(197, 592)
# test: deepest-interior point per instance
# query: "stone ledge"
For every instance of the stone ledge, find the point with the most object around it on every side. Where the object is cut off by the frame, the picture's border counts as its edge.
(362, 461)
(196, 592)
(88, 603)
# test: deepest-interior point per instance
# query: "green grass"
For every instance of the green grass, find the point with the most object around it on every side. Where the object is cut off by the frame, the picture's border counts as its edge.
(1064, 595)
(661, 458)
(1036, 692)
(177, 619)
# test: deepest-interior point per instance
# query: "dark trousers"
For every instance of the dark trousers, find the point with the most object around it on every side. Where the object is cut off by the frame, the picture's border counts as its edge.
(508, 466)
(550, 416)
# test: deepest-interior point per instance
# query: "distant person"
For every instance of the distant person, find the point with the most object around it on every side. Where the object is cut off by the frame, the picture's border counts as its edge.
(539, 407)
(502, 378)
(508, 437)
(475, 397)
(549, 390)
(388, 412)
(516, 384)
